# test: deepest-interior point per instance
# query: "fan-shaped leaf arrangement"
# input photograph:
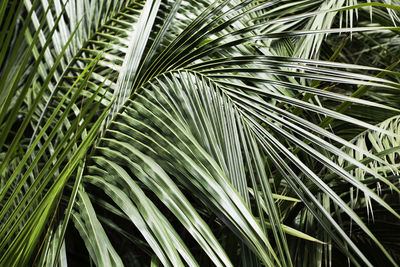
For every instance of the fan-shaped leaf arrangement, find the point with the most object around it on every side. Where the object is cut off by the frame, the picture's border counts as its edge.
(197, 133)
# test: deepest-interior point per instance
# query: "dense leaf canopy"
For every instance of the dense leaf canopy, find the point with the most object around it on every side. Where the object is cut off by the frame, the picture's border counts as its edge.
(199, 133)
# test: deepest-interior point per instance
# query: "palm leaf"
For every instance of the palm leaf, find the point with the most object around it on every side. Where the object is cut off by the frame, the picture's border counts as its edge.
(201, 132)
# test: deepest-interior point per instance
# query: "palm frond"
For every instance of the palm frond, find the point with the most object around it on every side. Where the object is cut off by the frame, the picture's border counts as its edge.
(199, 132)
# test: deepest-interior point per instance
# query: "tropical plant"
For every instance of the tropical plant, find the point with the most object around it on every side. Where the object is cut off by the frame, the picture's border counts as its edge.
(199, 132)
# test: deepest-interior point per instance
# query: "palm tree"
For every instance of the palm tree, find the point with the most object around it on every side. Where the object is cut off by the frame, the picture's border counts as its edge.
(199, 132)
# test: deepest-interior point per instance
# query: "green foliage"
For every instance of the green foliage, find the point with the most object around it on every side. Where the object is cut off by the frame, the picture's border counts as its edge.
(199, 133)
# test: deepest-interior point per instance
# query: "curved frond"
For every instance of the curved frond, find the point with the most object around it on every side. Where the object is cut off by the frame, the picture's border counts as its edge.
(198, 132)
